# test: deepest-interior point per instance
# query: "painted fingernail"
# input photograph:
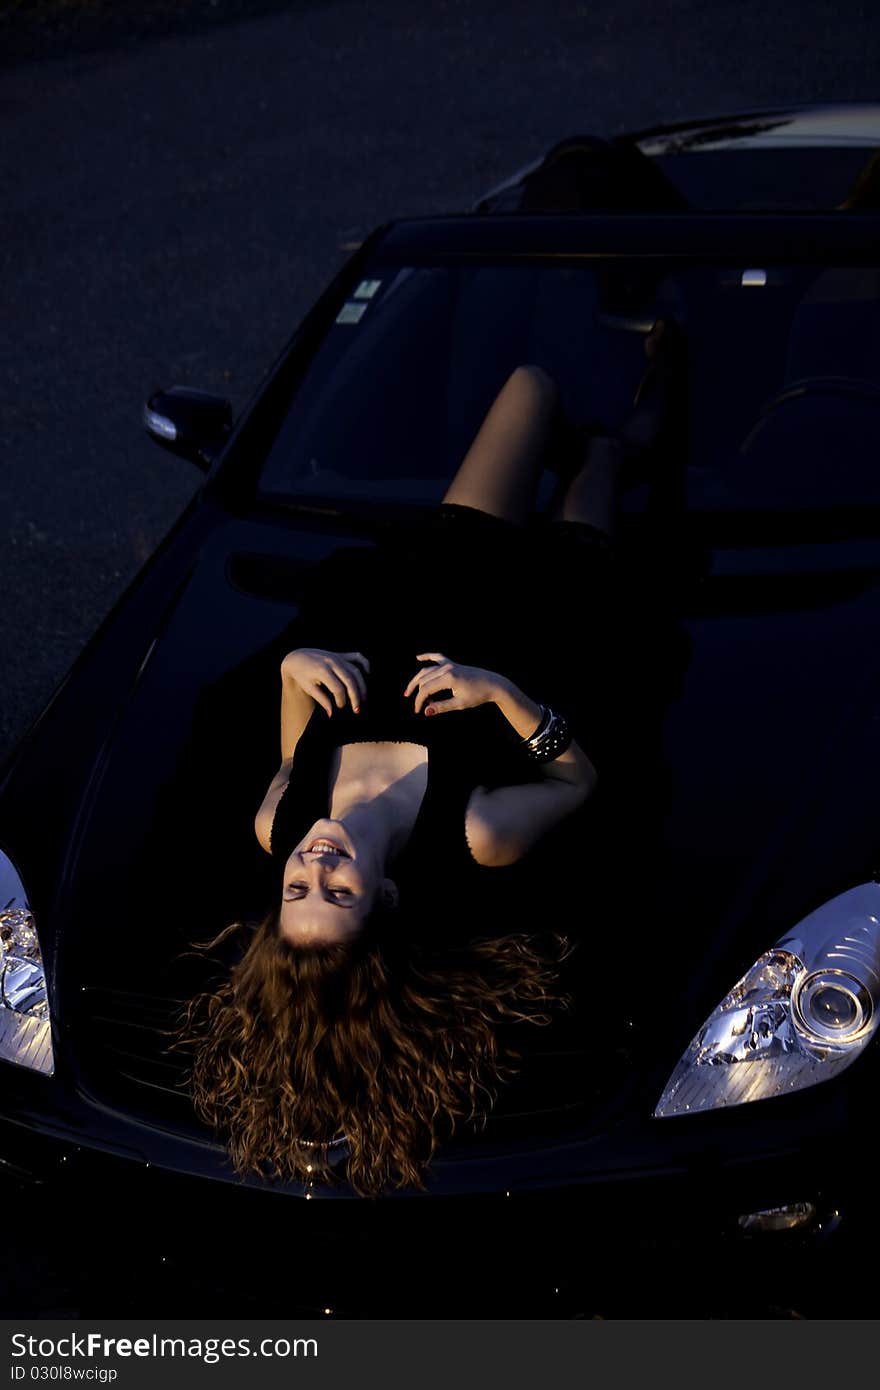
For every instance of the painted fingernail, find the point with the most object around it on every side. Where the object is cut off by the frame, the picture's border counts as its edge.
(429, 709)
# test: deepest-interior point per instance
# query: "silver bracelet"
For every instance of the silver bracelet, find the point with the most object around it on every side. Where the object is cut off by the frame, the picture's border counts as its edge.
(550, 739)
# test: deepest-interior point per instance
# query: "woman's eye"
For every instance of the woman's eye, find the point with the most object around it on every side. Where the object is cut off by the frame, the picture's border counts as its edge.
(342, 893)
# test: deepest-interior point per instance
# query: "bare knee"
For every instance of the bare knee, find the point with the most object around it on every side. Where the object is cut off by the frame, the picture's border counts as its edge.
(532, 380)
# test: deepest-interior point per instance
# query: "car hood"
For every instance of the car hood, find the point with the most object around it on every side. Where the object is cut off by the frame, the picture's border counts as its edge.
(769, 811)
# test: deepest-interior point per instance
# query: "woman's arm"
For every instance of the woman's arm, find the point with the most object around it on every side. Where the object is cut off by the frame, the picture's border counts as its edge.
(502, 825)
(572, 767)
(297, 707)
(471, 686)
(310, 677)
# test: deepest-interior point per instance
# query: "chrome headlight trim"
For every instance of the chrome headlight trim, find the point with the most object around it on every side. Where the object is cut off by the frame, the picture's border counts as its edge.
(832, 1007)
(25, 1025)
(802, 1014)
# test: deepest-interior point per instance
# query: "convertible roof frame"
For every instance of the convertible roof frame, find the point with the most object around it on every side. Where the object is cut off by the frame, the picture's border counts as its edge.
(851, 237)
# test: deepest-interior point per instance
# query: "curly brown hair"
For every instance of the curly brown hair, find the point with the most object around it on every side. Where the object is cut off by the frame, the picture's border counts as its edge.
(385, 1042)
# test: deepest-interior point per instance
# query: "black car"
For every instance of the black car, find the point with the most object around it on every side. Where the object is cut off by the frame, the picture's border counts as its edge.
(677, 1110)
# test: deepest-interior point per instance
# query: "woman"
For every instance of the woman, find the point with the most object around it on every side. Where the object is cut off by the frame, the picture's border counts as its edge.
(402, 764)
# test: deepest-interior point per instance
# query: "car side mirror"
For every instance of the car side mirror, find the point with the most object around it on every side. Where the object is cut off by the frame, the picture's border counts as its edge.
(192, 424)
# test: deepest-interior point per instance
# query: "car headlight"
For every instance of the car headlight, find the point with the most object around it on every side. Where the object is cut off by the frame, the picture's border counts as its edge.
(804, 1012)
(25, 1027)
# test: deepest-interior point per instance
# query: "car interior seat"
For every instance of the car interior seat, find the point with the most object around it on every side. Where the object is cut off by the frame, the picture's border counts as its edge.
(816, 440)
(835, 330)
(815, 445)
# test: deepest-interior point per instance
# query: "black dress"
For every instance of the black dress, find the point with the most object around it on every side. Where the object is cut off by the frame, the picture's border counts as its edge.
(543, 606)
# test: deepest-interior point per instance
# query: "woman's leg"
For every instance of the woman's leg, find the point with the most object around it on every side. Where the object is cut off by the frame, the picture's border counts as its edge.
(500, 471)
(592, 494)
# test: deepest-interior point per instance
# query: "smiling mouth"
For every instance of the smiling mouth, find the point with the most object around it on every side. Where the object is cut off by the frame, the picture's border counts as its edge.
(323, 846)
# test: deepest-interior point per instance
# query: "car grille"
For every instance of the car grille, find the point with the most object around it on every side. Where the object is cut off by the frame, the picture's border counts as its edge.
(123, 1049)
(561, 1084)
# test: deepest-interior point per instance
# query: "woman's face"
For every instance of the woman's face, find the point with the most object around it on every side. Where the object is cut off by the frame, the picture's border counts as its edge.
(329, 888)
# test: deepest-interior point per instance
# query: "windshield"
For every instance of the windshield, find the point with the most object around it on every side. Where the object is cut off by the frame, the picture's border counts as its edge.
(784, 374)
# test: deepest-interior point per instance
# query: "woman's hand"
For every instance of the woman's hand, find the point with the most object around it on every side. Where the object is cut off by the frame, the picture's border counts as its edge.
(470, 685)
(329, 678)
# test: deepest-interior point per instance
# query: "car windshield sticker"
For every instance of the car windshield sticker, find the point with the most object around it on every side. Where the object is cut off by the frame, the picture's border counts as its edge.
(351, 312)
(366, 289)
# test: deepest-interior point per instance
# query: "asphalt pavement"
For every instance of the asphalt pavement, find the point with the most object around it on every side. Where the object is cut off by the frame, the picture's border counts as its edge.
(179, 182)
